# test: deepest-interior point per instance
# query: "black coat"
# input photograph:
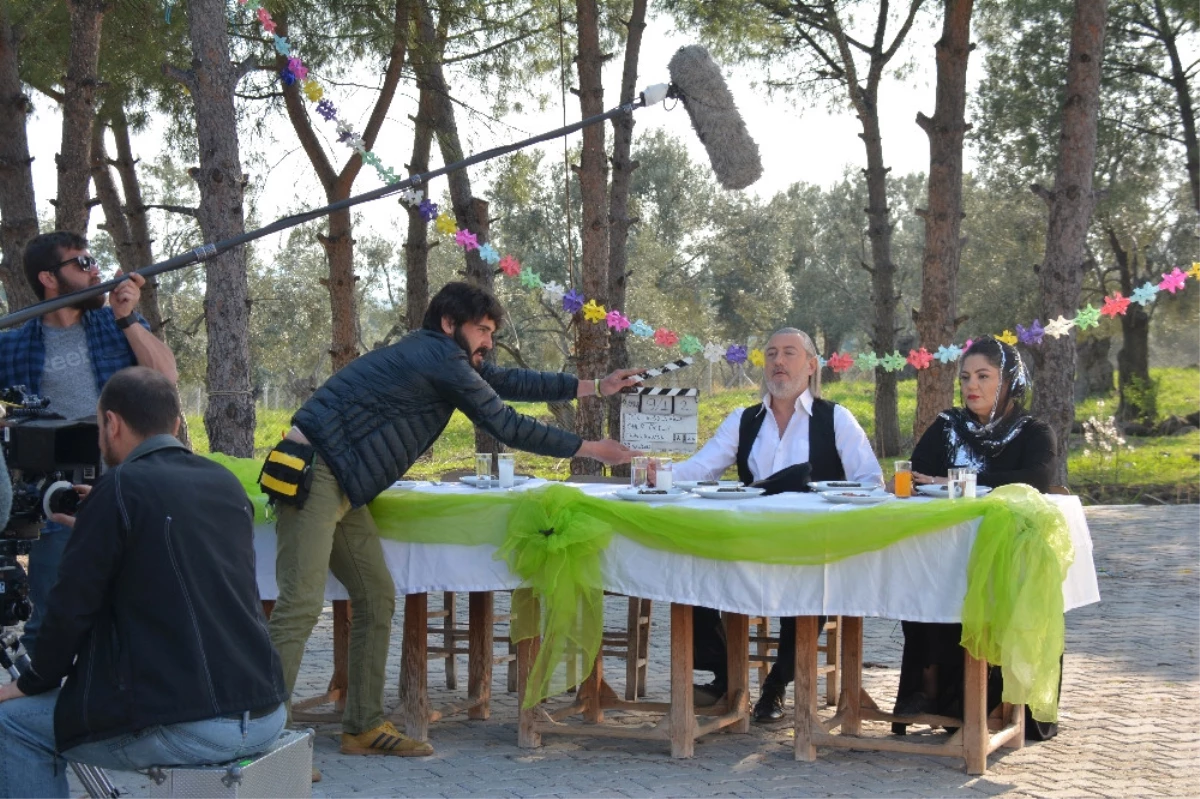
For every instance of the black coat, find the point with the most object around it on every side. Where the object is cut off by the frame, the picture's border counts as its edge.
(155, 618)
(381, 412)
(1028, 458)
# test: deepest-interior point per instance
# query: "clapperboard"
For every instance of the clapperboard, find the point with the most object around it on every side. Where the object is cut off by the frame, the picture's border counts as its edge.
(661, 419)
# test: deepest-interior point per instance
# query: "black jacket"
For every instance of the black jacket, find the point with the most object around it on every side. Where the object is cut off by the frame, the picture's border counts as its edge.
(155, 618)
(1028, 458)
(380, 412)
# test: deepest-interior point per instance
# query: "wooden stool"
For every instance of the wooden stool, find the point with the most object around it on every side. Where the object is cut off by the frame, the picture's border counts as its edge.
(763, 644)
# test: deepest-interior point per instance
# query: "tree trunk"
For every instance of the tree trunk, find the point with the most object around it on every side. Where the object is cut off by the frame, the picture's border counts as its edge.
(1133, 360)
(1071, 205)
(141, 249)
(618, 213)
(338, 242)
(1183, 93)
(936, 322)
(229, 415)
(591, 339)
(416, 246)
(78, 115)
(18, 208)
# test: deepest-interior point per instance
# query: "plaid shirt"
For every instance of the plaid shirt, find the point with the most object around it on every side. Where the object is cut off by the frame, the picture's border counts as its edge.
(23, 352)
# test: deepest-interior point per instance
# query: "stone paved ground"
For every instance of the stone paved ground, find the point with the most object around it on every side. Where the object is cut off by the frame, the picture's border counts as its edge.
(1129, 725)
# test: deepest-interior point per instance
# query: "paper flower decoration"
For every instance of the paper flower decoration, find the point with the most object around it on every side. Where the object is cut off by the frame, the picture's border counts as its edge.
(841, 363)
(428, 209)
(444, 224)
(617, 321)
(690, 345)
(1087, 317)
(713, 352)
(757, 358)
(371, 159)
(894, 362)
(467, 240)
(572, 301)
(736, 354)
(411, 196)
(1114, 305)
(512, 267)
(1144, 294)
(1194, 272)
(552, 291)
(919, 359)
(866, 361)
(1032, 335)
(948, 354)
(387, 174)
(1007, 337)
(312, 90)
(282, 47)
(530, 279)
(1172, 281)
(1059, 327)
(665, 338)
(594, 312)
(286, 77)
(641, 329)
(488, 253)
(297, 68)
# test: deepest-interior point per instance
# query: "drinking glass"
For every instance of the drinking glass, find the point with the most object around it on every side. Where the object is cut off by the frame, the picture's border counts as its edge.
(504, 469)
(968, 483)
(954, 482)
(664, 473)
(904, 481)
(639, 472)
(483, 469)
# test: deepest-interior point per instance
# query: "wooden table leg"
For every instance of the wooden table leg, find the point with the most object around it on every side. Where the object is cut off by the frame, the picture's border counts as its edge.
(683, 711)
(589, 692)
(414, 668)
(806, 686)
(527, 650)
(737, 637)
(851, 633)
(479, 654)
(975, 731)
(341, 648)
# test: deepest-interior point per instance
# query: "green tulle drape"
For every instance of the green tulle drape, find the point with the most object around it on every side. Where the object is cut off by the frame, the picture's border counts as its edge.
(552, 538)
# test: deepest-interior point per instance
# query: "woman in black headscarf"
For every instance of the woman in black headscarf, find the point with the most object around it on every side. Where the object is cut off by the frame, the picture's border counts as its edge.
(993, 434)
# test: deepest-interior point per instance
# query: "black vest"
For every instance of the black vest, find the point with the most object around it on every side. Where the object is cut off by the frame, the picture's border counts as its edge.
(822, 442)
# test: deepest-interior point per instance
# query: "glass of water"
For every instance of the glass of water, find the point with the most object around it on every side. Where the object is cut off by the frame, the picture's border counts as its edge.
(639, 472)
(483, 469)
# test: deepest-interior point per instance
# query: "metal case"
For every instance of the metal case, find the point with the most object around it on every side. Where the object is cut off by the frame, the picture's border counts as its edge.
(286, 770)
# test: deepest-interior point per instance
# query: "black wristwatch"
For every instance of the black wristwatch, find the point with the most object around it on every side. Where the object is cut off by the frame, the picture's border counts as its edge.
(126, 321)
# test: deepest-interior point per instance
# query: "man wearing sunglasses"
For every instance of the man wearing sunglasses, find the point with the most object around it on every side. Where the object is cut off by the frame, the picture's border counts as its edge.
(67, 356)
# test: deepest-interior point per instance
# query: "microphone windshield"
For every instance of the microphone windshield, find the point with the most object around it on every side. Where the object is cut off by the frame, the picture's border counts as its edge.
(696, 79)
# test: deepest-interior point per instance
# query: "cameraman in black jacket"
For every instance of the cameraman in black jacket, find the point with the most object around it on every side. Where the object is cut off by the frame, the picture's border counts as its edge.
(155, 621)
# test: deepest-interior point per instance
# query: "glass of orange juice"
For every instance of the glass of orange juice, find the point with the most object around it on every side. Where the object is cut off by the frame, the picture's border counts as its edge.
(904, 482)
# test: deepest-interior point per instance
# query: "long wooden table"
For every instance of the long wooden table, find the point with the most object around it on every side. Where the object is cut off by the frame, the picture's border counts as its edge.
(922, 578)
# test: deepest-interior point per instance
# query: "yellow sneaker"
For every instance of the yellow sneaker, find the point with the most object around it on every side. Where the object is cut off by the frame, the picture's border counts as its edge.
(384, 740)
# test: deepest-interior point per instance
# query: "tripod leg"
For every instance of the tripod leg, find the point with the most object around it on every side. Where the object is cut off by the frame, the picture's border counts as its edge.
(95, 781)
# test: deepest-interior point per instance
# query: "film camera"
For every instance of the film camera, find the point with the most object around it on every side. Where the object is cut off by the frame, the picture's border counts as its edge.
(46, 456)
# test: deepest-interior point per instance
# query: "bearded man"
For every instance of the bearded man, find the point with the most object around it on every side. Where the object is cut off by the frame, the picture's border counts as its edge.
(66, 356)
(792, 425)
(366, 426)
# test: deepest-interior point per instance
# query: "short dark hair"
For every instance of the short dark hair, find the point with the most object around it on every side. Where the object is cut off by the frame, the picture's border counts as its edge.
(144, 398)
(463, 303)
(43, 253)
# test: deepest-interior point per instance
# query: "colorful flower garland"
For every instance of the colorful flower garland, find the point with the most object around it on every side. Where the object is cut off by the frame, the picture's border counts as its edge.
(573, 302)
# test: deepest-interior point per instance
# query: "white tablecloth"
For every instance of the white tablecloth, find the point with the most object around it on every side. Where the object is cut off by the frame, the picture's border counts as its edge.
(922, 578)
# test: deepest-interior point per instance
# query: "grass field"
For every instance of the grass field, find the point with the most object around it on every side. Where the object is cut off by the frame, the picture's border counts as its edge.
(1166, 468)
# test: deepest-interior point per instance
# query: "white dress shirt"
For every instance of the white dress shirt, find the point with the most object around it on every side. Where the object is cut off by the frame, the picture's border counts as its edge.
(774, 449)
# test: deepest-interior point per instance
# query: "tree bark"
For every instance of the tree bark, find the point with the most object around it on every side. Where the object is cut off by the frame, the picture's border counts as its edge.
(618, 209)
(338, 242)
(18, 208)
(591, 339)
(936, 322)
(211, 80)
(141, 246)
(78, 115)
(416, 246)
(1133, 359)
(1071, 205)
(1183, 93)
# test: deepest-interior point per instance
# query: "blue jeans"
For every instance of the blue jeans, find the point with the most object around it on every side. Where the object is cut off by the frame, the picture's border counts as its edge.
(30, 765)
(44, 557)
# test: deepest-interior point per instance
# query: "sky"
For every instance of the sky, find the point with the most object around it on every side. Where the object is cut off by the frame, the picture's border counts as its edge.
(797, 141)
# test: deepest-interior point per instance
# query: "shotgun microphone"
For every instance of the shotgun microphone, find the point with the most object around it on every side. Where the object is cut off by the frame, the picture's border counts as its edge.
(697, 81)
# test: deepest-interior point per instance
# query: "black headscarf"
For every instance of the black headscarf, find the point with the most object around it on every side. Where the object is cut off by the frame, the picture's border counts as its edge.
(970, 442)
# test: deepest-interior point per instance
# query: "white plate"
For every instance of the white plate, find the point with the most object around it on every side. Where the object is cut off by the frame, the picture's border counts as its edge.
(691, 485)
(474, 481)
(838, 485)
(942, 491)
(635, 495)
(856, 496)
(749, 492)
(409, 483)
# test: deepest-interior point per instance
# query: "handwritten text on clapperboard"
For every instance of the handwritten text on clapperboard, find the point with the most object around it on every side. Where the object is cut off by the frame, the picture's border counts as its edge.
(660, 419)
